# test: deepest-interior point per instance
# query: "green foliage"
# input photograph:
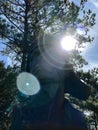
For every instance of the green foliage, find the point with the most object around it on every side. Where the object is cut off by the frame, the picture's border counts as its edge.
(21, 23)
(7, 92)
(91, 78)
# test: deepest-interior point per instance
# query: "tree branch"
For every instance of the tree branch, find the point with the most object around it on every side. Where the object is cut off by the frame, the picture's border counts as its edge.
(12, 22)
(11, 49)
(17, 4)
(14, 12)
(6, 36)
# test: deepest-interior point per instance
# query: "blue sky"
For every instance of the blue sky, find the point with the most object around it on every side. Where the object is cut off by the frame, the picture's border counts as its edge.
(3, 58)
(91, 51)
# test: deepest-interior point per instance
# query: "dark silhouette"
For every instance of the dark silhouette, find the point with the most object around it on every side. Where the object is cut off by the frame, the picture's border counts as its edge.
(49, 109)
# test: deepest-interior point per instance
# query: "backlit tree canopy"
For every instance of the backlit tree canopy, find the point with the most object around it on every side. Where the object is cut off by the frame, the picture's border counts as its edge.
(22, 21)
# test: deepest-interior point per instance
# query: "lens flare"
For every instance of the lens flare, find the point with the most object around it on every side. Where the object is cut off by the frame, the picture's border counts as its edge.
(28, 84)
(68, 43)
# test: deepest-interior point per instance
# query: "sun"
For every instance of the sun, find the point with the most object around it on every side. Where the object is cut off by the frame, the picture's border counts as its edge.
(68, 43)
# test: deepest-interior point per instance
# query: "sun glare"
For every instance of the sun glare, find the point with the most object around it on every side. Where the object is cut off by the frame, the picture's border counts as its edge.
(68, 43)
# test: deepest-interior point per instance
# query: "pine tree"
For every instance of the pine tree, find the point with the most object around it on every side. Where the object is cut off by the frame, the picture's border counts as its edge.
(23, 21)
(91, 105)
(8, 92)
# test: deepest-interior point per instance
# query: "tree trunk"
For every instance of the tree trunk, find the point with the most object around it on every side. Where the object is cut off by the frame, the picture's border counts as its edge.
(23, 64)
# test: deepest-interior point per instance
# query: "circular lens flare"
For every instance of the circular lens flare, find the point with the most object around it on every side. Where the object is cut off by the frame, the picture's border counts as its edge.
(68, 43)
(27, 83)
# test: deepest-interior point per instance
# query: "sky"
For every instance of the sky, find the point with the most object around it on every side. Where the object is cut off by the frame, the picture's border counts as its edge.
(2, 57)
(90, 53)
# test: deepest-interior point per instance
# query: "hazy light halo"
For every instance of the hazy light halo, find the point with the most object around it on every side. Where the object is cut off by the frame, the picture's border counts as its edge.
(68, 43)
(27, 83)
